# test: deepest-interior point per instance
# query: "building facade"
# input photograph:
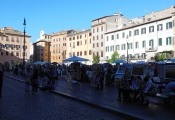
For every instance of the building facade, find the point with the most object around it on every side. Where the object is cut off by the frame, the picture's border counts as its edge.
(12, 44)
(41, 48)
(145, 38)
(59, 46)
(102, 25)
(79, 43)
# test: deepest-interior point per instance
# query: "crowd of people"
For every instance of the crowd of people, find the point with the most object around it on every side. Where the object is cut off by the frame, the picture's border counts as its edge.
(134, 89)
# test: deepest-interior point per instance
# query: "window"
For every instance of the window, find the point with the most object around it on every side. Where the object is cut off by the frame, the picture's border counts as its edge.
(93, 45)
(97, 44)
(107, 57)
(168, 41)
(107, 49)
(77, 53)
(101, 36)
(129, 45)
(101, 44)
(136, 32)
(77, 37)
(85, 52)
(90, 52)
(130, 33)
(151, 44)
(117, 47)
(143, 31)
(101, 53)
(112, 37)
(93, 30)
(151, 29)
(97, 37)
(7, 53)
(136, 45)
(1, 53)
(143, 55)
(123, 35)
(107, 38)
(169, 25)
(93, 37)
(85, 42)
(97, 29)
(78, 43)
(123, 47)
(143, 44)
(112, 48)
(81, 53)
(160, 42)
(159, 27)
(101, 28)
(90, 41)
(117, 36)
(11, 53)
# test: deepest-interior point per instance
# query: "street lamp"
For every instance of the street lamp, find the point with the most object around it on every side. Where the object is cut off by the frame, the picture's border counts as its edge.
(24, 42)
(127, 48)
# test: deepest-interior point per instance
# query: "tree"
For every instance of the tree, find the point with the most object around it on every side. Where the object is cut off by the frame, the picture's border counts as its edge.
(96, 59)
(159, 57)
(114, 57)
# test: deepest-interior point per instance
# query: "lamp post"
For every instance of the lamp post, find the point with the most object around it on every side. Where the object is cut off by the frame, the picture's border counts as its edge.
(24, 42)
(127, 47)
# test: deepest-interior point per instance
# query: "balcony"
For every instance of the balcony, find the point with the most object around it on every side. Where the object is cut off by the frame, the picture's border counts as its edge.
(151, 49)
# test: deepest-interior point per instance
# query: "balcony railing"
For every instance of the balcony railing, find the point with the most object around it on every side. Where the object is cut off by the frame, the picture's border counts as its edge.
(151, 49)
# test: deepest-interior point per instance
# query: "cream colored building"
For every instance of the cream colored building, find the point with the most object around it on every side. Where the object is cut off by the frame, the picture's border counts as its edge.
(59, 46)
(79, 44)
(11, 45)
(102, 25)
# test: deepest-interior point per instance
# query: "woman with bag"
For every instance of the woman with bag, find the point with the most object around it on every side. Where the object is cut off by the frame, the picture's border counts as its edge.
(34, 81)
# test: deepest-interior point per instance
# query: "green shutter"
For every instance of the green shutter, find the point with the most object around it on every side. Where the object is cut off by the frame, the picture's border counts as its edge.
(149, 42)
(160, 41)
(166, 41)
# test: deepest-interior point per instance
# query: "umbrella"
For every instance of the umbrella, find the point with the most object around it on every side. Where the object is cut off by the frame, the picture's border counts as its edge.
(119, 61)
(75, 59)
(141, 62)
(38, 63)
(54, 63)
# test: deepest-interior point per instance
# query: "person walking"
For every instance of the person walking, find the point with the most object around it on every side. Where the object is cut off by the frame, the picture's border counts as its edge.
(1, 79)
(34, 81)
(27, 75)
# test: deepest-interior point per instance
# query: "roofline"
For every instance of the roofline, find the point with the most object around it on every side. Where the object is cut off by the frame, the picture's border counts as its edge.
(128, 27)
(41, 41)
(102, 17)
(17, 34)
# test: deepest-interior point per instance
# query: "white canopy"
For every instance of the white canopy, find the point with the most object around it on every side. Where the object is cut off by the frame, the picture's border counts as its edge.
(75, 59)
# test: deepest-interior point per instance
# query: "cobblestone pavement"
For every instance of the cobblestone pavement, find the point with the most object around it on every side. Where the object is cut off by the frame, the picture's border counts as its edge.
(16, 104)
(107, 99)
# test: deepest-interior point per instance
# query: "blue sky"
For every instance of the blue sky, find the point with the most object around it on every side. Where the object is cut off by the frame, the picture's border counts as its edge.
(56, 15)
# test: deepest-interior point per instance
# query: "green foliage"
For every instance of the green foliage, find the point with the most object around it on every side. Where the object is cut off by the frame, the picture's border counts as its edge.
(114, 57)
(96, 59)
(159, 57)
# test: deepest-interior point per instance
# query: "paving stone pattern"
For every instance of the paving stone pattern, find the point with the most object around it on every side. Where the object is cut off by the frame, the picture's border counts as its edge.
(16, 104)
(108, 98)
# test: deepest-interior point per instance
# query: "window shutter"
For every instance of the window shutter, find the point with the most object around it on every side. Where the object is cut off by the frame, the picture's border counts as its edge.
(170, 40)
(166, 41)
